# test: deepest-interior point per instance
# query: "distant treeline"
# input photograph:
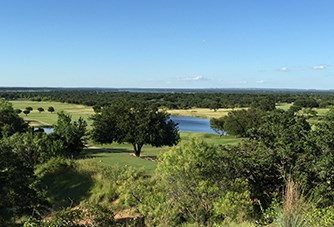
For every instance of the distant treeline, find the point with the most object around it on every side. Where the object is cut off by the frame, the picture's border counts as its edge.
(178, 99)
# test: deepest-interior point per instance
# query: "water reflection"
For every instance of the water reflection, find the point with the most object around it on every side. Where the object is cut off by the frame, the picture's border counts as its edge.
(193, 124)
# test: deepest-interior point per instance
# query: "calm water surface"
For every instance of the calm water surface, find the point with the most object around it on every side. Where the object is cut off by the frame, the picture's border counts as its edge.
(193, 124)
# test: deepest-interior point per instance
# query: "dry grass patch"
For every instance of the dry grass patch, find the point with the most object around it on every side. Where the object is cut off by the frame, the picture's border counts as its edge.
(202, 112)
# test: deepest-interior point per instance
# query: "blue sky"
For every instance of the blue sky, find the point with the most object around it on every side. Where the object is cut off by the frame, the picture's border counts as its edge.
(167, 44)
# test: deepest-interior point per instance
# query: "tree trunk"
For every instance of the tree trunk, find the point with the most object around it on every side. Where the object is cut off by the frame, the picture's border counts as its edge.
(137, 149)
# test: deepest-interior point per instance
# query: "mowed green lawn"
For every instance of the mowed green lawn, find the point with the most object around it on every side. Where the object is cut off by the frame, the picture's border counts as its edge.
(46, 118)
(122, 154)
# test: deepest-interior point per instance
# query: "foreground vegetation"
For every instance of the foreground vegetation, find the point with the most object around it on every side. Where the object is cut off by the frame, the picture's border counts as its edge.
(279, 174)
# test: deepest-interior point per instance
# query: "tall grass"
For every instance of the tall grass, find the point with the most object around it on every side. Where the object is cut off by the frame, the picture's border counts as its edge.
(295, 207)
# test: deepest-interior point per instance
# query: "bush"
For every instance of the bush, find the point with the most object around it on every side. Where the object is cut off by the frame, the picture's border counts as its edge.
(321, 217)
(54, 166)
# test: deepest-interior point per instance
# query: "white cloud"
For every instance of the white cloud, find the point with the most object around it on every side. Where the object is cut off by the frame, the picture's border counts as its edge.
(283, 69)
(193, 78)
(260, 81)
(320, 67)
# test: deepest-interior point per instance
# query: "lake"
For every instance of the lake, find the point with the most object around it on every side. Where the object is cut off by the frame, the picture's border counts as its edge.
(193, 124)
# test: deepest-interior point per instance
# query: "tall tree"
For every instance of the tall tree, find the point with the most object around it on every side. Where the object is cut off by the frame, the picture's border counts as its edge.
(241, 122)
(26, 112)
(51, 109)
(217, 124)
(70, 133)
(134, 123)
(40, 109)
(10, 122)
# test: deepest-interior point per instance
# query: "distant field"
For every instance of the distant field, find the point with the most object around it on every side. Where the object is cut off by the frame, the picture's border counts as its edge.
(286, 106)
(202, 112)
(46, 118)
(283, 106)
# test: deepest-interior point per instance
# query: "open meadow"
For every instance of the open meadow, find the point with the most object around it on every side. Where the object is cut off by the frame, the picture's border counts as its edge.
(46, 118)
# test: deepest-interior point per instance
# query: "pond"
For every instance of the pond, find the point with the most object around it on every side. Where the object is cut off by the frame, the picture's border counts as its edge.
(47, 130)
(193, 124)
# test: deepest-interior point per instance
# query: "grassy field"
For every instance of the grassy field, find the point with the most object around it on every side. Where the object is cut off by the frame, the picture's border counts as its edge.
(46, 118)
(283, 106)
(122, 154)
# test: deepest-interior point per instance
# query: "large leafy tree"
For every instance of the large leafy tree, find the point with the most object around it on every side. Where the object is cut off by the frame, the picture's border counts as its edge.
(134, 123)
(10, 122)
(241, 122)
(71, 133)
(217, 124)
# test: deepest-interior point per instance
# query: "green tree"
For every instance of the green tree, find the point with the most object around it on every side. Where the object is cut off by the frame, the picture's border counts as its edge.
(40, 109)
(18, 111)
(217, 124)
(241, 122)
(136, 124)
(294, 109)
(29, 108)
(72, 134)
(97, 108)
(306, 102)
(10, 122)
(26, 112)
(51, 109)
(264, 104)
(214, 104)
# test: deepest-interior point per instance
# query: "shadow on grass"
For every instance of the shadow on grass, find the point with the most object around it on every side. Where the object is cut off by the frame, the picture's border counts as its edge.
(68, 187)
(94, 152)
